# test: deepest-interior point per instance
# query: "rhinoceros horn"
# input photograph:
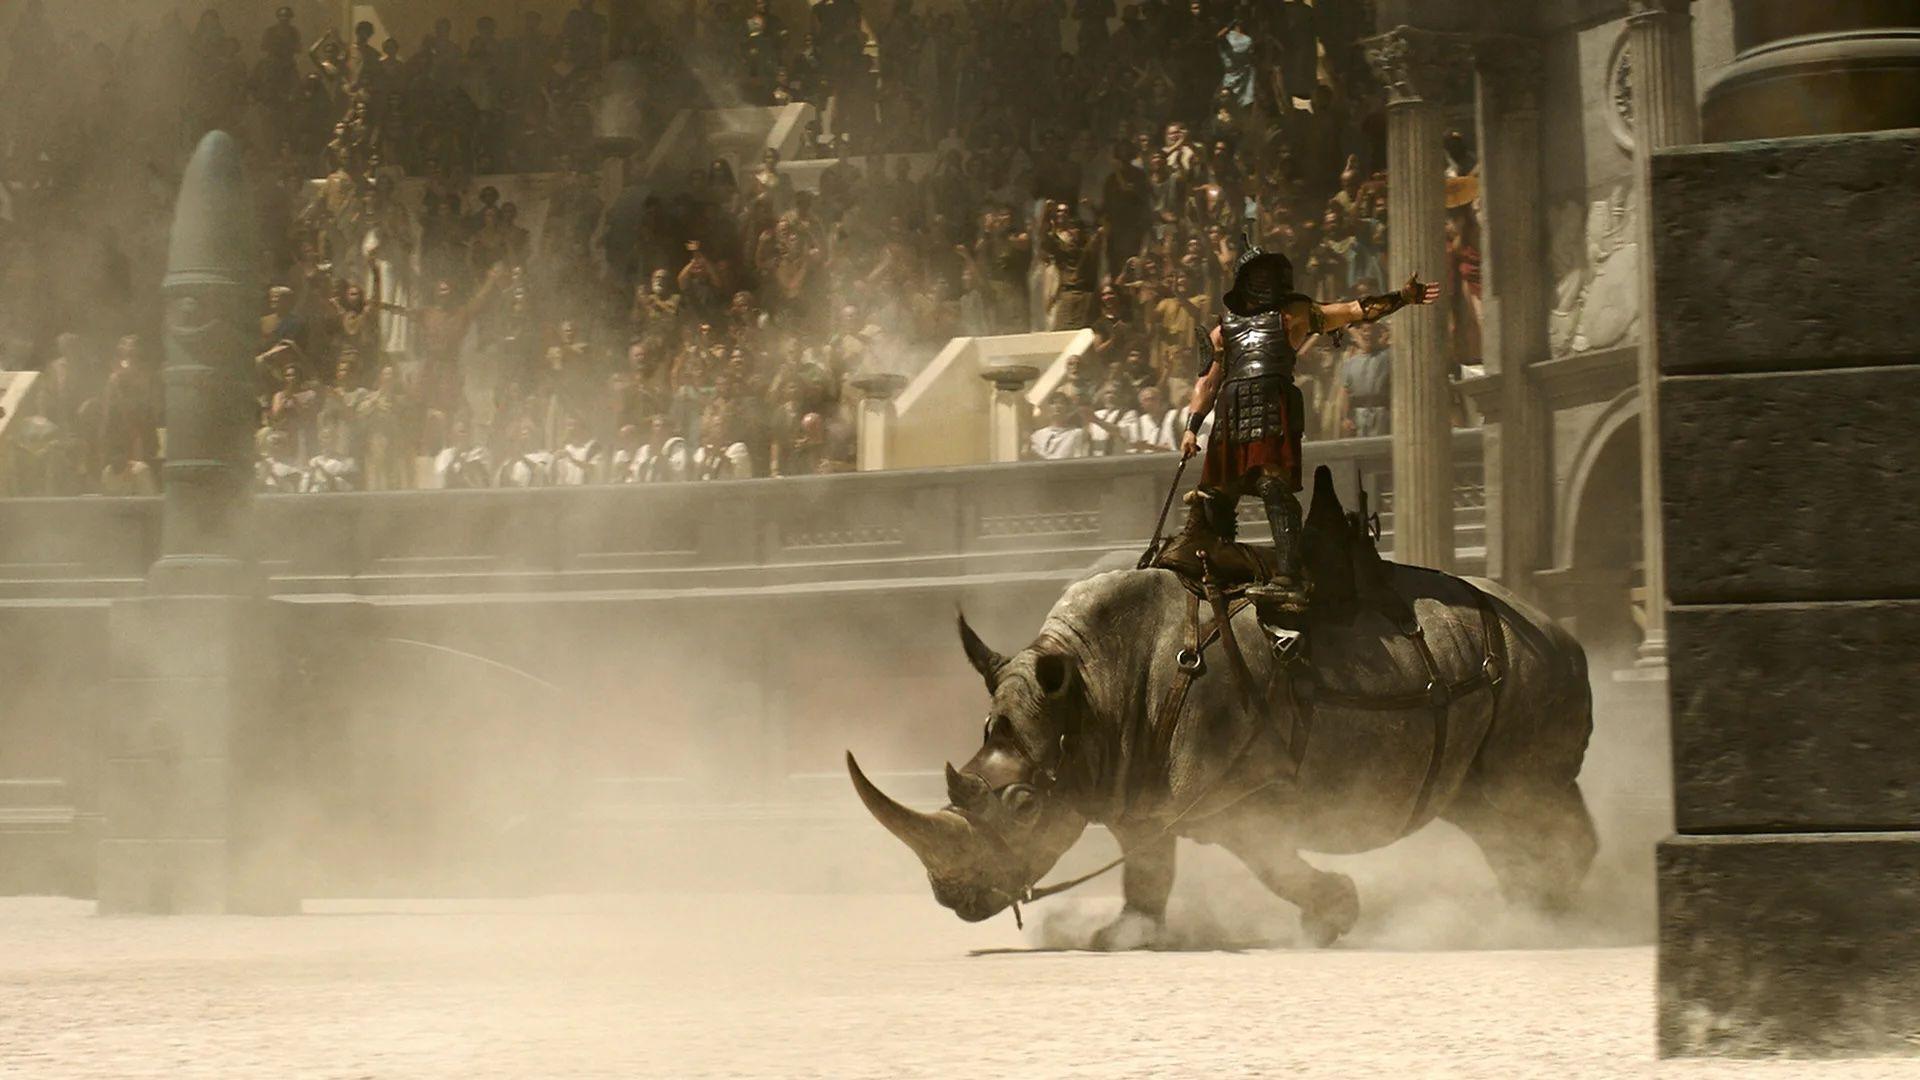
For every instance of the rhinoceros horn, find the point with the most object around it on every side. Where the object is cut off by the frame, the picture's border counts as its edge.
(940, 839)
(984, 660)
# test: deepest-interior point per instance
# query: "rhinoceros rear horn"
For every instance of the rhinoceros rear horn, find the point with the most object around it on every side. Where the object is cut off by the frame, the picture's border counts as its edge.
(965, 789)
(940, 839)
(984, 660)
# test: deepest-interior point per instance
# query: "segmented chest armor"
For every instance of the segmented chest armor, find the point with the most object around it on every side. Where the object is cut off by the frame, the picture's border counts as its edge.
(1259, 376)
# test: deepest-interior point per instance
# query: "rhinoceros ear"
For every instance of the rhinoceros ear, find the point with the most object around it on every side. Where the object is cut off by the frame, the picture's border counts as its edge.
(1053, 673)
(984, 660)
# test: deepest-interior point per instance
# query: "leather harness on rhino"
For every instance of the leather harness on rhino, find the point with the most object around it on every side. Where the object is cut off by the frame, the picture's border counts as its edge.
(1346, 576)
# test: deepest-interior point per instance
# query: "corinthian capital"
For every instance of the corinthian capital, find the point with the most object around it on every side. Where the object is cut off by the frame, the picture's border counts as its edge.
(1421, 65)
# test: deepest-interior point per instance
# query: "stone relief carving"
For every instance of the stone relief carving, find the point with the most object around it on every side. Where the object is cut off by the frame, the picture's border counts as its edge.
(1039, 524)
(1596, 272)
(1619, 93)
(801, 535)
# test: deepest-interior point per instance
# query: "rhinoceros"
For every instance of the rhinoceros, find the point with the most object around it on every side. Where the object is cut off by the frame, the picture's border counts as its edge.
(1479, 717)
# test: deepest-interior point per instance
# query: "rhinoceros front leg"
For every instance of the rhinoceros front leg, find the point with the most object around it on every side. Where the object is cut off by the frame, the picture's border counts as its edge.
(1147, 881)
(1329, 904)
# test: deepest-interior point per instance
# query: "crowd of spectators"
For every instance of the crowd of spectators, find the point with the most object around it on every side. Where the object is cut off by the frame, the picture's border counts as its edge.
(1009, 165)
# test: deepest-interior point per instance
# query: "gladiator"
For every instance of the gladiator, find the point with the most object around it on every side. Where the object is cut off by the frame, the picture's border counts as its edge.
(1246, 368)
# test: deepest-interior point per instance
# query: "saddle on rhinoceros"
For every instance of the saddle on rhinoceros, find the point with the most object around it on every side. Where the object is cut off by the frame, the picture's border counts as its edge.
(1343, 568)
(1356, 617)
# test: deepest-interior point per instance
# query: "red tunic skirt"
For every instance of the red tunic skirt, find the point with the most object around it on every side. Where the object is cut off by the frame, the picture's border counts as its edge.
(1229, 464)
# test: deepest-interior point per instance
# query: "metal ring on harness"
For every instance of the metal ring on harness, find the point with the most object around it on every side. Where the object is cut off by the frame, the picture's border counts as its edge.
(1440, 694)
(1188, 660)
(1490, 669)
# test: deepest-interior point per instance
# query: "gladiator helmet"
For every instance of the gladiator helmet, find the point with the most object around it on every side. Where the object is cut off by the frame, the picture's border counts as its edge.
(1262, 281)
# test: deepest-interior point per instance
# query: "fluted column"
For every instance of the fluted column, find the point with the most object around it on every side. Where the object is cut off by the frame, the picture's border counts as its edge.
(1422, 71)
(1666, 113)
(1517, 446)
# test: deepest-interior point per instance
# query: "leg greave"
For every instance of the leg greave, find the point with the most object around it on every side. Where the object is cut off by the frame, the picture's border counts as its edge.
(1283, 516)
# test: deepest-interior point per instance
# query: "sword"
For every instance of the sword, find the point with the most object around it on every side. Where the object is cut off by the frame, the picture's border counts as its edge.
(1153, 546)
(1203, 344)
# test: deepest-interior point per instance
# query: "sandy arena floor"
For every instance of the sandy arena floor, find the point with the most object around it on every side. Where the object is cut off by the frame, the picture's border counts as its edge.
(790, 987)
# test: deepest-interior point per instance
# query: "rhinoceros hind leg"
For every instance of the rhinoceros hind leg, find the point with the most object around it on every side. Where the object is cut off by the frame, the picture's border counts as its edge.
(1329, 904)
(1537, 837)
(1338, 908)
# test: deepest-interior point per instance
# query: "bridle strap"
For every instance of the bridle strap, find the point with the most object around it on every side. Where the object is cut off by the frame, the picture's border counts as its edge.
(1044, 891)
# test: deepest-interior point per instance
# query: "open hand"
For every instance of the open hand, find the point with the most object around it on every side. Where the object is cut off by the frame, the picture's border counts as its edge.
(1420, 292)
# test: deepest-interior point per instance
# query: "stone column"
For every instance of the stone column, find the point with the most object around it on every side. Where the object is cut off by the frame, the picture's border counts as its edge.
(1665, 113)
(1422, 71)
(212, 293)
(181, 796)
(1008, 415)
(1518, 445)
(878, 420)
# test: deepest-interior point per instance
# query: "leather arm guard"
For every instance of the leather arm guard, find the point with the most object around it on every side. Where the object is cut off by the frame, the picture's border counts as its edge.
(1375, 308)
(1203, 348)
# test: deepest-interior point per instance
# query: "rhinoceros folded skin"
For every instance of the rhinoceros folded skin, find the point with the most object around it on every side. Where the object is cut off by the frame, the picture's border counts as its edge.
(1069, 741)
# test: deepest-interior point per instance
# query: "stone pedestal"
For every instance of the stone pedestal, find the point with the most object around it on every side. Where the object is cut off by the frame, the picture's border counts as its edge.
(1423, 72)
(1517, 450)
(187, 780)
(1010, 417)
(878, 419)
(1790, 900)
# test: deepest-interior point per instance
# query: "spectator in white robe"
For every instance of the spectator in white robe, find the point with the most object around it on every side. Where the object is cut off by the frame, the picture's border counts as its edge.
(1062, 437)
(1145, 429)
(578, 458)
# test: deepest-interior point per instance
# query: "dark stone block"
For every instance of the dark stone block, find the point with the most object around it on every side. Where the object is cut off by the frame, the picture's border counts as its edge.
(1789, 253)
(1797, 486)
(1790, 716)
(1801, 944)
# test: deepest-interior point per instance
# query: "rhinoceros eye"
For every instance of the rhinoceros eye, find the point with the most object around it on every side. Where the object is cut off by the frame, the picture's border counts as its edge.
(996, 725)
(1022, 804)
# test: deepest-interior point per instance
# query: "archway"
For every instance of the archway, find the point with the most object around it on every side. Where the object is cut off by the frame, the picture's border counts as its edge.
(1599, 551)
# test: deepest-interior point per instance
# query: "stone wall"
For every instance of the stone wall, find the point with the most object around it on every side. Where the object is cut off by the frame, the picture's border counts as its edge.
(1789, 899)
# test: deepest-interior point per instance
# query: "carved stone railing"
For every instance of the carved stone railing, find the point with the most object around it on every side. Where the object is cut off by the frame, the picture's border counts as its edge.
(1038, 516)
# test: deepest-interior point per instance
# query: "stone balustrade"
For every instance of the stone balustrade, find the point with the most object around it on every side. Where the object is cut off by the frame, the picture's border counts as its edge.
(1034, 516)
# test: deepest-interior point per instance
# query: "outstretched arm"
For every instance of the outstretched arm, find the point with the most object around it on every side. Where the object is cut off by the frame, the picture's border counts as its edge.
(1339, 314)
